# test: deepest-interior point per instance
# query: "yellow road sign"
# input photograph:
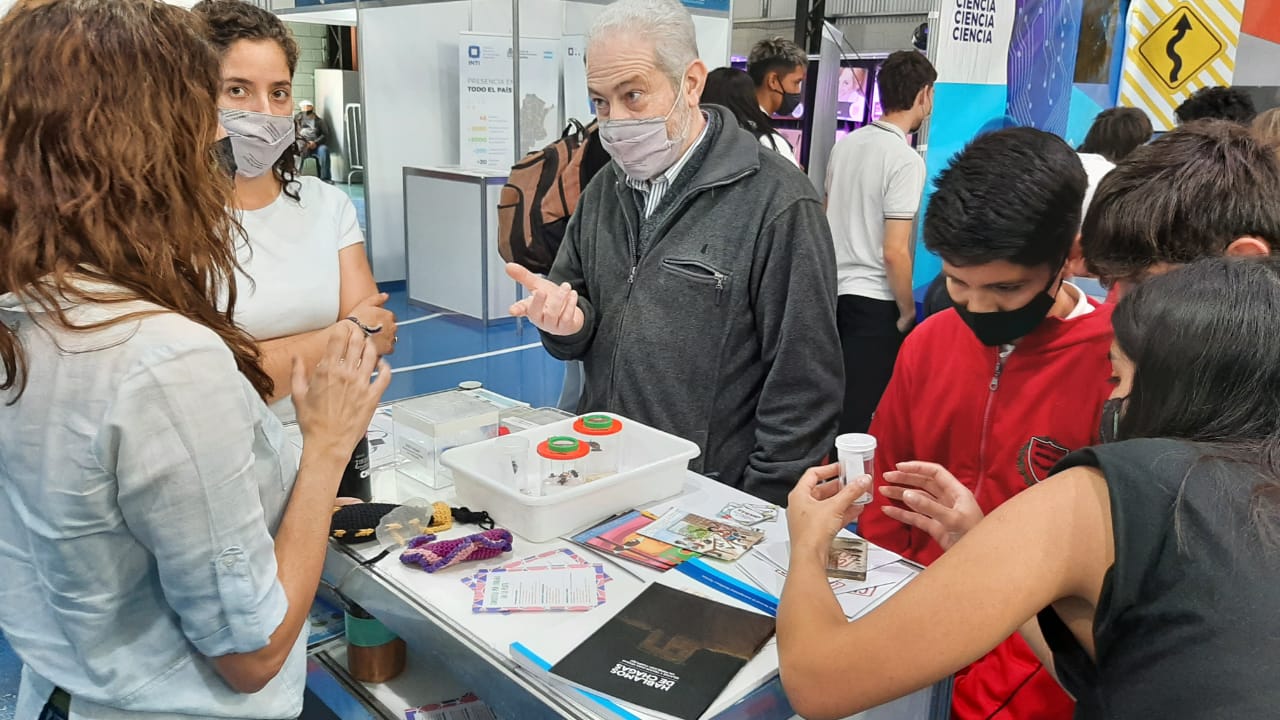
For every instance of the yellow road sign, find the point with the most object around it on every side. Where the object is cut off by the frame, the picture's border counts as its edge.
(1172, 49)
(1179, 47)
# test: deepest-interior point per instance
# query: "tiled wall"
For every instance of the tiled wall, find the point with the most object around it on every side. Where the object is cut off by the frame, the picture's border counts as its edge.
(311, 46)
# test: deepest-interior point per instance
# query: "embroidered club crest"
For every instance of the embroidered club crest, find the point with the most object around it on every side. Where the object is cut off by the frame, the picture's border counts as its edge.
(1037, 458)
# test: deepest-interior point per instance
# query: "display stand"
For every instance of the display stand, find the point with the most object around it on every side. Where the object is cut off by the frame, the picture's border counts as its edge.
(432, 613)
(423, 682)
(451, 242)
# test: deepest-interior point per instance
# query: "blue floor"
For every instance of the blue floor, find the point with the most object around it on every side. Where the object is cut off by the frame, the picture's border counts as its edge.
(436, 352)
(439, 350)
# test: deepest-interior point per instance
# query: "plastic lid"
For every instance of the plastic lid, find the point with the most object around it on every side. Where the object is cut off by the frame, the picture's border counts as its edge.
(597, 425)
(563, 447)
(856, 442)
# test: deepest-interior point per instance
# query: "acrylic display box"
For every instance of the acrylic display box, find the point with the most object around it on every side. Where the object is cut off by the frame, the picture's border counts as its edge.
(425, 427)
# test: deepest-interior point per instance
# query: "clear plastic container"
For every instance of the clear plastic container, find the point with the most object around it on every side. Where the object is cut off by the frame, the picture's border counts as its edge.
(563, 463)
(517, 419)
(512, 455)
(857, 453)
(603, 435)
(424, 427)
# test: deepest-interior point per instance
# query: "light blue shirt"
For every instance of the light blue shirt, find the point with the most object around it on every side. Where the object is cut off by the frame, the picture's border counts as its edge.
(141, 481)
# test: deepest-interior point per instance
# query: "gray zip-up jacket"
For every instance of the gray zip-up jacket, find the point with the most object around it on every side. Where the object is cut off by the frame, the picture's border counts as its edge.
(715, 318)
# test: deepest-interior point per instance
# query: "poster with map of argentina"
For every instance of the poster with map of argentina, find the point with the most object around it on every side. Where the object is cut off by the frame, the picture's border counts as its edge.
(487, 119)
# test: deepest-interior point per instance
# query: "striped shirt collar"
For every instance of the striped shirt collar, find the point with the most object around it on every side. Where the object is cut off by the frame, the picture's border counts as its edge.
(883, 125)
(654, 189)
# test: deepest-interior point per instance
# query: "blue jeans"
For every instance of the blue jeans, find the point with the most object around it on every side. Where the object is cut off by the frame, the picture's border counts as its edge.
(321, 153)
(574, 381)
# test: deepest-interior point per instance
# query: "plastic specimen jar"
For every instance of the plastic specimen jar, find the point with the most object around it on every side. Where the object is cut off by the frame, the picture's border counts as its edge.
(857, 454)
(603, 435)
(563, 463)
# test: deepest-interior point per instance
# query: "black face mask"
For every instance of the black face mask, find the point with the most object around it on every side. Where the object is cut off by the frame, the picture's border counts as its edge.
(1109, 428)
(790, 101)
(1004, 326)
(225, 156)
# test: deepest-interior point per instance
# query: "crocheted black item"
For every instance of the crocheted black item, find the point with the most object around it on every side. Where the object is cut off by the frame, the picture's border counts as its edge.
(467, 517)
(359, 522)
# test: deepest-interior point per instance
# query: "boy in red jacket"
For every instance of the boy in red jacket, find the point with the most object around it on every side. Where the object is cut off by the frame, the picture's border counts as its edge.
(1003, 385)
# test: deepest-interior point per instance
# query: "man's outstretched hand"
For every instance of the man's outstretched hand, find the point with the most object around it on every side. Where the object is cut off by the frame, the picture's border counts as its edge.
(551, 308)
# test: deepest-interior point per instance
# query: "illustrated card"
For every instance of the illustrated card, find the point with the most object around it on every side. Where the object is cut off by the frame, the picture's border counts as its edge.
(545, 589)
(748, 513)
(847, 558)
(620, 537)
(714, 538)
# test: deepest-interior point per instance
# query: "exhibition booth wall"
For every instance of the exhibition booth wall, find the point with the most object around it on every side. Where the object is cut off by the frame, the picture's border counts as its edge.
(411, 59)
(1055, 64)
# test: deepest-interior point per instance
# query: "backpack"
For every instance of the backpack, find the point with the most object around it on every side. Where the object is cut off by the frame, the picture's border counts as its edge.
(541, 193)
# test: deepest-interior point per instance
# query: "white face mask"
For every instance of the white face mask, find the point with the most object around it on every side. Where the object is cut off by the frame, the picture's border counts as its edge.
(257, 139)
(641, 146)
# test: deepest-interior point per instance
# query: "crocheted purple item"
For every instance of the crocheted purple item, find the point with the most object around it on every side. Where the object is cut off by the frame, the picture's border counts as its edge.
(431, 555)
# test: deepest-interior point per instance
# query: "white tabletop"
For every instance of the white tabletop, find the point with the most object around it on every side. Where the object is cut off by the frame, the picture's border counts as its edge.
(433, 611)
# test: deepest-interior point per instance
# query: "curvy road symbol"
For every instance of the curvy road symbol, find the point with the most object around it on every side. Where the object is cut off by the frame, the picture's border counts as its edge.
(1183, 27)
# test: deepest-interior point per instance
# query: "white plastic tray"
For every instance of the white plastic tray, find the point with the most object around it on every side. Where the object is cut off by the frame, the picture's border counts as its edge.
(652, 467)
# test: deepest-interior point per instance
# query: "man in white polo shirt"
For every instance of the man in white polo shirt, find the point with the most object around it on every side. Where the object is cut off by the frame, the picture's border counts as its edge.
(874, 183)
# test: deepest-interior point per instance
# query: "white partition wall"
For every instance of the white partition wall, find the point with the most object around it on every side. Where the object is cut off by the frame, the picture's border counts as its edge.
(714, 29)
(334, 89)
(409, 62)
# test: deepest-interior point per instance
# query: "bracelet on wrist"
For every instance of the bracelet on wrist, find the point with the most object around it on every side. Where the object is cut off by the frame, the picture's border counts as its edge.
(363, 328)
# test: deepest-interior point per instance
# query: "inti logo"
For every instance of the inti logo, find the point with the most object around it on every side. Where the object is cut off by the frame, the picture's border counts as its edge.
(473, 52)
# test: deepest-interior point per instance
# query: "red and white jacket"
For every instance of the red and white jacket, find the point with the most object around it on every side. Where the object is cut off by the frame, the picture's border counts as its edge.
(999, 420)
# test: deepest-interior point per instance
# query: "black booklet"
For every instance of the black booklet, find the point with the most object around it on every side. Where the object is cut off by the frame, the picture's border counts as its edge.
(667, 651)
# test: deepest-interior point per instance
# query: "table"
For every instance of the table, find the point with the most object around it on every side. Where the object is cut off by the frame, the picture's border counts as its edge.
(432, 612)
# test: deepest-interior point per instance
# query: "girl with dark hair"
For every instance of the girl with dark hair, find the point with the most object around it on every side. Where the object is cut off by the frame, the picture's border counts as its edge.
(734, 89)
(1116, 132)
(1143, 572)
(160, 545)
(306, 277)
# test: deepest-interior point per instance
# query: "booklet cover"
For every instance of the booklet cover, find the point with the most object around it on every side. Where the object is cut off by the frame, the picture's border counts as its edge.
(668, 650)
(713, 538)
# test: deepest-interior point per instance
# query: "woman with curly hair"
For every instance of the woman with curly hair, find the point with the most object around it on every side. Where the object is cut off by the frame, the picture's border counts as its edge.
(306, 276)
(159, 543)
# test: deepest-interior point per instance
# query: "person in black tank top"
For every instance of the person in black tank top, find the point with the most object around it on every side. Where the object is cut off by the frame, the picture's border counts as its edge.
(1144, 571)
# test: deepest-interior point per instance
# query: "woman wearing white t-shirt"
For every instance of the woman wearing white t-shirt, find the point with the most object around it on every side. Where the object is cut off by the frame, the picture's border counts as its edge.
(304, 265)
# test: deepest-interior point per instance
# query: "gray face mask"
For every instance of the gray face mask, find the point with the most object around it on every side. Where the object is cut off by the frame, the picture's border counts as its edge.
(642, 147)
(257, 139)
